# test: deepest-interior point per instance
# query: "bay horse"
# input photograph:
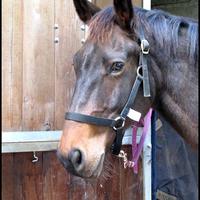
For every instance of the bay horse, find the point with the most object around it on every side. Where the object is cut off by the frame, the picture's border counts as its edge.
(106, 67)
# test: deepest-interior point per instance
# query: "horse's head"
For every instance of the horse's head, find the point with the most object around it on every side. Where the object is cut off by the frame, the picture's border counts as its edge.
(105, 69)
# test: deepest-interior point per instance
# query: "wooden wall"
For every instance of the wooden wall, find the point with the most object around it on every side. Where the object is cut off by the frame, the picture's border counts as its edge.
(37, 85)
(37, 73)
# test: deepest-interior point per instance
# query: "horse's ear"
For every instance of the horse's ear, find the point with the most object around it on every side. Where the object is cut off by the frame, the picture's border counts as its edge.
(124, 13)
(85, 9)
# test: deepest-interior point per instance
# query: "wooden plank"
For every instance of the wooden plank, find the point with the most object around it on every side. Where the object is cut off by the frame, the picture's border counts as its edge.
(7, 177)
(28, 178)
(38, 65)
(55, 178)
(12, 65)
(17, 65)
(70, 35)
(7, 27)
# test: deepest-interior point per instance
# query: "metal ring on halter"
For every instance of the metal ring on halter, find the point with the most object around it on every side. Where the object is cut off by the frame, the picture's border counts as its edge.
(138, 73)
(119, 120)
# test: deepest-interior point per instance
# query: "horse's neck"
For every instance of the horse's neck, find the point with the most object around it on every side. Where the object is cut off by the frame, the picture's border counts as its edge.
(179, 118)
(173, 77)
(176, 97)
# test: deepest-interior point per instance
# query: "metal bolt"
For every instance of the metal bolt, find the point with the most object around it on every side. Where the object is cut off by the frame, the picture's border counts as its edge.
(83, 41)
(47, 126)
(56, 40)
(55, 26)
(83, 27)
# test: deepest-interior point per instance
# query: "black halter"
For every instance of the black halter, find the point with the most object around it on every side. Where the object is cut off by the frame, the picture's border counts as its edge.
(118, 123)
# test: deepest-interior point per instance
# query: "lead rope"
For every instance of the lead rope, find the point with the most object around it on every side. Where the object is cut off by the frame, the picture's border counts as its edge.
(136, 149)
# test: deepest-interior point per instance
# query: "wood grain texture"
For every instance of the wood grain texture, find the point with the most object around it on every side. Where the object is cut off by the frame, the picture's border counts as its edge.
(12, 65)
(70, 35)
(7, 177)
(55, 178)
(17, 65)
(27, 177)
(48, 180)
(38, 65)
(7, 27)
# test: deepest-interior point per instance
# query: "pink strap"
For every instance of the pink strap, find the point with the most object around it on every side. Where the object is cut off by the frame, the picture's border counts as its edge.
(137, 149)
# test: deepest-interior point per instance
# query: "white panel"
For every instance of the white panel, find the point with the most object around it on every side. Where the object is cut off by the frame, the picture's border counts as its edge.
(28, 141)
(146, 162)
(147, 4)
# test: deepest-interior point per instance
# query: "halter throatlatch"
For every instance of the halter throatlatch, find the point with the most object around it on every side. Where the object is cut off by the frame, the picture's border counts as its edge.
(118, 123)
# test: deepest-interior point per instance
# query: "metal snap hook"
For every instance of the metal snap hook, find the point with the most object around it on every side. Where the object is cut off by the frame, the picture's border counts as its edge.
(35, 158)
(127, 163)
(122, 154)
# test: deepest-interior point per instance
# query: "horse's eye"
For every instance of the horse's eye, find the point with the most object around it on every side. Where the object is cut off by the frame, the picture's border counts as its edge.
(116, 67)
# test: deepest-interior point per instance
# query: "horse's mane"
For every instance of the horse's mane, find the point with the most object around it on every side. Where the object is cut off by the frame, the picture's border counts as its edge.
(164, 27)
(167, 30)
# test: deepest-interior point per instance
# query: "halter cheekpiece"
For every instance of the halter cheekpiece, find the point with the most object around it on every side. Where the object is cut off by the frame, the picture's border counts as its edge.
(118, 123)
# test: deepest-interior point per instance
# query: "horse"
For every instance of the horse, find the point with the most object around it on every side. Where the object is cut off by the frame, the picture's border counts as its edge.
(107, 67)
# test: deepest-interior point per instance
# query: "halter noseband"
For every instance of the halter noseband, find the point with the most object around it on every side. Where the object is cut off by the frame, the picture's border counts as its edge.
(118, 123)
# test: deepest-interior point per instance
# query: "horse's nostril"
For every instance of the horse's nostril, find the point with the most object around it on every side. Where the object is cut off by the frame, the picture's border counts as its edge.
(76, 158)
(74, 162)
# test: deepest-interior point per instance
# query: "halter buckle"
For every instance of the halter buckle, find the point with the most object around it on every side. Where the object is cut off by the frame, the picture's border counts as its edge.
(144, 46)
(119, 123)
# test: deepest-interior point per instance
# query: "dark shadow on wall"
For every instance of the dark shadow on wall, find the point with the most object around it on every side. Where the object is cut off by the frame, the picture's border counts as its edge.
(187, 8)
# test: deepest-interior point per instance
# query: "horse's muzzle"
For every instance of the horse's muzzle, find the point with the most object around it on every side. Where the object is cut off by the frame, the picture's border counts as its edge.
(73, 162)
